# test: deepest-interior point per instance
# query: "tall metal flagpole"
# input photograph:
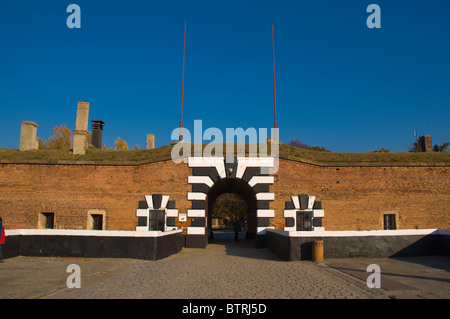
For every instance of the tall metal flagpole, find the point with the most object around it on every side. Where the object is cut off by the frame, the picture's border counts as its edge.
(274, 93)
(182, 85)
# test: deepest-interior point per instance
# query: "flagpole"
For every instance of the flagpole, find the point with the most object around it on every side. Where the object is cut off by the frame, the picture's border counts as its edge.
(182, 84)
(274, 92)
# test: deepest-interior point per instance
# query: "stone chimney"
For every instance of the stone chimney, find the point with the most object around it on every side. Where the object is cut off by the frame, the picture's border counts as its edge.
(150, 141)
(28, 140)
(80, 136)
(425, 143)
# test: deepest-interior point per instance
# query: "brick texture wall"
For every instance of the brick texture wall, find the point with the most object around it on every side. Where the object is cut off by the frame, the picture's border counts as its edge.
(354, 198)
(71, 191)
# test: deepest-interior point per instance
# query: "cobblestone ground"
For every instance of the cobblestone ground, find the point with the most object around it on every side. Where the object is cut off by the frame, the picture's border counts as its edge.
(221, 271)
(234, 270)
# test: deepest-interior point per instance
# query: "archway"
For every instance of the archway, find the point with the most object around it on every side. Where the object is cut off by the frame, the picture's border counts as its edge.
(213, 176)
(241, 188)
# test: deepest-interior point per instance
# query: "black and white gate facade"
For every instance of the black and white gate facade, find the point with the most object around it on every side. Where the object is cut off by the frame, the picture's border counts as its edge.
(254, 172)
(206, 171)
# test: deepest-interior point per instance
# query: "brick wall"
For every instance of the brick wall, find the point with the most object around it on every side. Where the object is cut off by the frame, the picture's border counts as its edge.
(354, 198)
(71, 191)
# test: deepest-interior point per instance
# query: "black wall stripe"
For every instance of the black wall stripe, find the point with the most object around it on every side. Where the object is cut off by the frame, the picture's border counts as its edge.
(206, 171)
(171, 204)
(317, 221)
(262, 204)
(198, 204)
(170, 221)
(290, 222)
(261, 188)
(303, 199)
(198, 221)
(250, 172)
(157, 198)
(289, 205)
(143, 204)
(142, 221)
(263, 222)
(200, 188)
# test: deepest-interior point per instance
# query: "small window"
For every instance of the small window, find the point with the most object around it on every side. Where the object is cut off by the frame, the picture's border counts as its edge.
(389, 221)
(47, 220)
(304, 221)
(97, 221)
(156, 220)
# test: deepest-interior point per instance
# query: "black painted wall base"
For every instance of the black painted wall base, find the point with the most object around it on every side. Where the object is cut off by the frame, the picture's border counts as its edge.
(261, 241)
(147, 248)
(300, 248)
(195, 241)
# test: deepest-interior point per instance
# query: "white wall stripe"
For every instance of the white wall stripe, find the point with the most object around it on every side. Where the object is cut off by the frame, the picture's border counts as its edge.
(142, 212)
(318, 213)
(295, 201)
(164, 201)
(217, 162)
(196, 230)
(196, 196)
(149, 200)
(141, 228)
(244, 162)
(265, 213)
(361, 233)
(172, 212)
(261, 180)
(265, 196)
(289, 213)
(195, 213)
(81, 232)
(200, 180)
(311, 201)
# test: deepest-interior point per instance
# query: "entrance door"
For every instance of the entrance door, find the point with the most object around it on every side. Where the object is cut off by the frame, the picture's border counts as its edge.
(304, 221)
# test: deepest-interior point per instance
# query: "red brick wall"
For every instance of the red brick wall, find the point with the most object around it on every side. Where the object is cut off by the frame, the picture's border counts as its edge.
(70, 191)
(354, 198)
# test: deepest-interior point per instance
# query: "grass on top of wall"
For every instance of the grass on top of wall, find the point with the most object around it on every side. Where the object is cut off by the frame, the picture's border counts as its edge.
(164, 153)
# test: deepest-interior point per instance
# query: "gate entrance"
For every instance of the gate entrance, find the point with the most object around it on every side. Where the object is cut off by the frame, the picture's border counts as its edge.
(241, 188)
(213, 176)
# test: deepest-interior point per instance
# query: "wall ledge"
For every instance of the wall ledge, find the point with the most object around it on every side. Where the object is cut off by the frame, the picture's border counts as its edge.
(94, 233)
(362, 233)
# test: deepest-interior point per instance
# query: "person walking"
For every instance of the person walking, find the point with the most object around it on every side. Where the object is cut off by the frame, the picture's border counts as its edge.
(2, 240)
(237, 229)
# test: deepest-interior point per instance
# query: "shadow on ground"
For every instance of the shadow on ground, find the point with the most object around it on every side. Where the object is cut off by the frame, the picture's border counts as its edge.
(245, 247)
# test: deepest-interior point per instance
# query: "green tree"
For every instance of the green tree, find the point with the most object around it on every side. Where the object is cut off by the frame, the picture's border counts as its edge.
(229, 206)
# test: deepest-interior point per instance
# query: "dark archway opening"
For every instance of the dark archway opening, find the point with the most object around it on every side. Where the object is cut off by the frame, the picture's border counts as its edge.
(239, 187)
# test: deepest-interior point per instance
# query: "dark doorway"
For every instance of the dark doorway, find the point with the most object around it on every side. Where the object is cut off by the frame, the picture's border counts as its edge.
(245, 193)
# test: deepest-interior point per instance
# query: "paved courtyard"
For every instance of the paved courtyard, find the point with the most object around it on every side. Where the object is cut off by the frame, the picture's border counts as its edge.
(224, 270)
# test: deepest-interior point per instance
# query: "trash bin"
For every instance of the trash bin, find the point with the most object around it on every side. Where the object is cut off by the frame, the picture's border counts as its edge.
(317, 250)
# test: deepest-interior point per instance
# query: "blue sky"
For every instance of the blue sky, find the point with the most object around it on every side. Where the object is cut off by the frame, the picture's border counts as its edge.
(339, 84)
